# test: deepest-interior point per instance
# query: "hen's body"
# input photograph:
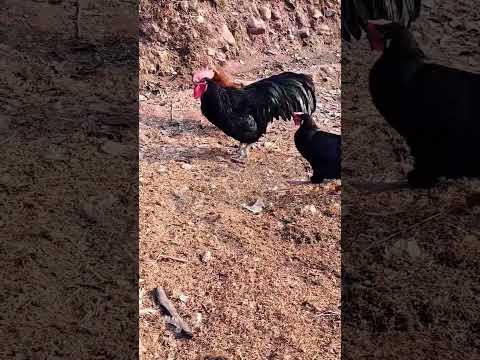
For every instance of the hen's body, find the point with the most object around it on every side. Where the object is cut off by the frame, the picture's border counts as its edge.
(434, 107)
(356, 13)
(245, 113)
(321, 149)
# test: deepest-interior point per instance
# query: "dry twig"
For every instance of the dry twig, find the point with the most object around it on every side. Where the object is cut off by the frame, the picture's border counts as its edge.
(166, 257)
(181, 328)
(424, 221)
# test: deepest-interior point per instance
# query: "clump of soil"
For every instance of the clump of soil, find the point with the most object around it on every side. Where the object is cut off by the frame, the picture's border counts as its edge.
(177, 37)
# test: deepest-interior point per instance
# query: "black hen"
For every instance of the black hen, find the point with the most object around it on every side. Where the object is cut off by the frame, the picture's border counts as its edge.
(356, 13)
(321, 149)
(434, 107)
(245, 113)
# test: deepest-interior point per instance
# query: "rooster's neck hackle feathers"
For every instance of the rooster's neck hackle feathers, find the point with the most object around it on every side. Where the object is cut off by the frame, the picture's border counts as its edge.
(224, 79)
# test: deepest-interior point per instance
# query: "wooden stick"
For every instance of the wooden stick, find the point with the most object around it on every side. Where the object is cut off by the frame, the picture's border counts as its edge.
(181, 328)
(166, 257)
(299, 182)
(402, 231)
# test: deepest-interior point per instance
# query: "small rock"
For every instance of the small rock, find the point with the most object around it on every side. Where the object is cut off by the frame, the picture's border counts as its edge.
(316, 14)
(210, 52)
(308, 209)
(183, 298)
(413, 249)
(88, 210)
(329, 13)
(324, 29)
(222, 58)
(276, 15)
(227, 35)
(290, 4)
(186, 166)
(4, 123)
(198, 318)
(163, 56)
(256, 26)
(194, 5)
(304, 33)
(265, 12)
(256, 208)
(184, 5)
(206, 257)
(155, 28)
(142, 97)
(113, 148)
(200, 19)
(302, 20)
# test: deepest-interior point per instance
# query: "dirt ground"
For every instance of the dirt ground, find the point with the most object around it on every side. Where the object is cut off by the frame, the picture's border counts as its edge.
(409, 258)
(271, 287)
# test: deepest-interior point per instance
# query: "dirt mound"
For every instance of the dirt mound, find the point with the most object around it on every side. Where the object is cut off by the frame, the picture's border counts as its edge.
(176, 37)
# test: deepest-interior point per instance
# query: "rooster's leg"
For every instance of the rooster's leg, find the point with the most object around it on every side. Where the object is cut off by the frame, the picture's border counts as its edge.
(247, 149)
(242, 153)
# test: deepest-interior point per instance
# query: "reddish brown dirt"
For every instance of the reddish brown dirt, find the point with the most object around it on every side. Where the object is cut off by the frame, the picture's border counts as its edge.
(271, 289)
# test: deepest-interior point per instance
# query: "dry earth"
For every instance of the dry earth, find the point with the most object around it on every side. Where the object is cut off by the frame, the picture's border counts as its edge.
(271, 288)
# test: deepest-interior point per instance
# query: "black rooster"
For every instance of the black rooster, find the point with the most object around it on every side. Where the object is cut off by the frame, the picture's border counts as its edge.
(321, 149)
(356, 13)
(244, 113)
(434, 107)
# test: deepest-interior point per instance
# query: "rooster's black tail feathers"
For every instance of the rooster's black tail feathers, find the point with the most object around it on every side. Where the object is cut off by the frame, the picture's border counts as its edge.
(281, 95)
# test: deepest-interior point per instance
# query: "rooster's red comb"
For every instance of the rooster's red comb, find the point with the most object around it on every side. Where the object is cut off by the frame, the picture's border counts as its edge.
(203, 74)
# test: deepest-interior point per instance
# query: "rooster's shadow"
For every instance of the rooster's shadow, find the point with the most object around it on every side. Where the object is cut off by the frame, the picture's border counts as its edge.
(177, 127)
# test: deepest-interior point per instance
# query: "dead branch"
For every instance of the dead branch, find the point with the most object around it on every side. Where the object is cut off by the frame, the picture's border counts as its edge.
(171, 258)
(181, 328)
(395, 234)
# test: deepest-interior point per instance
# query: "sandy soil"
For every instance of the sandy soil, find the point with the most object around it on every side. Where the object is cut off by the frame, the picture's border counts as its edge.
(271, 288)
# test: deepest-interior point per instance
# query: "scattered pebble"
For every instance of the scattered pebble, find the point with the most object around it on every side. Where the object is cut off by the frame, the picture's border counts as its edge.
(304, 33)
(256, 26)
(198, 318)
(4, 123)
(184, 5)
(227, 35)
(265, 12)
(308, 209)
(183, 298)
(256, 208)
(413, 249)
(206, 257)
